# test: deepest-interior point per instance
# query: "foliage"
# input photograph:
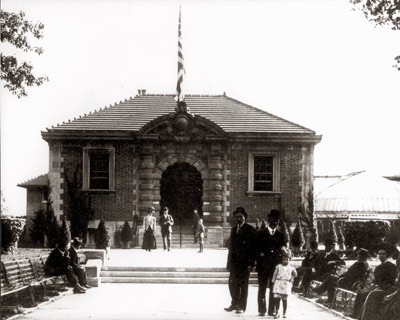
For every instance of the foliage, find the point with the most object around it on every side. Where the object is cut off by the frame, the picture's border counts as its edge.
(393, 237)
(285, 230)
(80, 210)
(365, 234)
(340, 236)
(101, 237)
(65, 235)
(382, 13)
(306, 215)
(11, 229)
(332, 232)
(15, 30)
(126, 233)
(298, 236)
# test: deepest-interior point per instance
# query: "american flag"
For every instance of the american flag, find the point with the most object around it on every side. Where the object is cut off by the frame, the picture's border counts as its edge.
(179, 96)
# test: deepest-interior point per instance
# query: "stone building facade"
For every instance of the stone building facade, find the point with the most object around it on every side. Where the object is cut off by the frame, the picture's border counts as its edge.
(212, 153)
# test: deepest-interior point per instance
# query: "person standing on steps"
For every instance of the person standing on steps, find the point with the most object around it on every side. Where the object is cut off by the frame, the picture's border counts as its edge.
(166, 223)
(200, 234)
(196, 218)
(149, 228)
(240, 260)
(268, 255)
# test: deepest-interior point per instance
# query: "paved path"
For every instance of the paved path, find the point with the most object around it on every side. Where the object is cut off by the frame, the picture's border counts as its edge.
(161, 301)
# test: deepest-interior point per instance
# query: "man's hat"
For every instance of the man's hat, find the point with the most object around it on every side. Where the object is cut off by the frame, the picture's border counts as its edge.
(275, 214)
(151, 209)
(240, 210)
(389, 248)
(329, 242)
(363, 252)
(77, 241)
(165, 208)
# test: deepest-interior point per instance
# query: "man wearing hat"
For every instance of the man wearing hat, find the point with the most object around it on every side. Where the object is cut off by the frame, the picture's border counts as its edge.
(240, 260)
(325, 264)
(166, 223)
(79, 270)
(269, 242)
(356, 273)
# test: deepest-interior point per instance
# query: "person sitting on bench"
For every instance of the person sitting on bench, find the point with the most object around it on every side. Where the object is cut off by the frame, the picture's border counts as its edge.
(306, 267)
(325, 264)
(357, 272)
(57, 264)
(79, 270)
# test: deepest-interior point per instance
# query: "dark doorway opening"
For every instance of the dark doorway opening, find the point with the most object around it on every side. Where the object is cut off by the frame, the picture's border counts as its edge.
(181, 190)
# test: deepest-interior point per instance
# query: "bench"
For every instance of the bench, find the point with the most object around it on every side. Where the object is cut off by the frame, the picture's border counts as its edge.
(20, 278)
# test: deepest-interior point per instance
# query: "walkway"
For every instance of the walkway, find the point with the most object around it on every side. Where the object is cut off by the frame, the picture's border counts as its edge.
(162, 301)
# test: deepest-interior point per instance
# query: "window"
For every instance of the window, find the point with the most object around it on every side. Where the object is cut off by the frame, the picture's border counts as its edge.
(98, 168)
(263, 172)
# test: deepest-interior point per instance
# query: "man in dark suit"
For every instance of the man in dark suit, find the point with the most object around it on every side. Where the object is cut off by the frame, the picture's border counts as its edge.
(166, 223)
(240, 260)
(268, 254)
(79, 270)
(57, 264)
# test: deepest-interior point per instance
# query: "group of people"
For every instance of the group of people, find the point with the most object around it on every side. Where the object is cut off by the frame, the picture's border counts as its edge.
(266, 250)
(376, 299)
(166, 222)
(64, 260)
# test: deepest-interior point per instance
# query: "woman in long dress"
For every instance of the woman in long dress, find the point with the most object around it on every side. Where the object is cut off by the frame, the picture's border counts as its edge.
(149, 227)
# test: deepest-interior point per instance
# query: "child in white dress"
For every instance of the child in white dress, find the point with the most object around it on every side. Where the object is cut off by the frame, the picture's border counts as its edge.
(283, 280)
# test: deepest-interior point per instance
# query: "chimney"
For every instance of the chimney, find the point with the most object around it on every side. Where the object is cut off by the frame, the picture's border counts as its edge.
(142, 92)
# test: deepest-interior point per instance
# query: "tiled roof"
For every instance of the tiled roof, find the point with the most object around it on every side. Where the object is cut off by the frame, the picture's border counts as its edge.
(360, 192)
(40, 181)
(231, 115)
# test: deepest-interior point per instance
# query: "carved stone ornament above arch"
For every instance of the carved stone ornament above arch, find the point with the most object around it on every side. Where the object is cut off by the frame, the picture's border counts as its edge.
(183, 127)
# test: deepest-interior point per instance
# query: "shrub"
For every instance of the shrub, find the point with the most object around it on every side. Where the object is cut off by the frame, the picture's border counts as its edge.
(365, 234)
(298, 237)
(11, 229)
(284, 229)
(65, 235)
(101, 238)
(126, 233)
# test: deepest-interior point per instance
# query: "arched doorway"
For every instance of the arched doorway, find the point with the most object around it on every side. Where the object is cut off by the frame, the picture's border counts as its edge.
(181, 190)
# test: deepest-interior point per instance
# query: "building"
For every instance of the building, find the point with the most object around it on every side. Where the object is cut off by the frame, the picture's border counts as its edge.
(359, 196)
(213, 153)
(36, 195)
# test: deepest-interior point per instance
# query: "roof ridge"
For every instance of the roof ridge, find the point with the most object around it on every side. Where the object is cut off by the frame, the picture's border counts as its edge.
(271, 114)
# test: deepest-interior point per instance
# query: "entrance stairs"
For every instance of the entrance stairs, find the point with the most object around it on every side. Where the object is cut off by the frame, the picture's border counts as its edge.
(187, 238)
(178, 275)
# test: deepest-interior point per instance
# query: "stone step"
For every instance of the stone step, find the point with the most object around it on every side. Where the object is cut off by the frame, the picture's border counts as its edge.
(171, 280)
(163, 269)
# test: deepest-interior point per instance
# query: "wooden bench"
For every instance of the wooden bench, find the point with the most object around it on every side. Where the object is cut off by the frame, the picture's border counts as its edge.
(20, 278)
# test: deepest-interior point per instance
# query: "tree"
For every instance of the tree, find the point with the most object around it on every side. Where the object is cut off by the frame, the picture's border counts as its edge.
(307, 218)
(332, 232)
(285, 230)
(382, 13)
(15, 30)
(126, 234)
(341, 239)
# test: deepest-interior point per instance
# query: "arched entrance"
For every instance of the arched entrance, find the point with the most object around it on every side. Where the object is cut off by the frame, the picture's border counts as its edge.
(181, 190)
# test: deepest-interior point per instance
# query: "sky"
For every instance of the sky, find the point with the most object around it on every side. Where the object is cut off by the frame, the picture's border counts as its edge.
(320, 64)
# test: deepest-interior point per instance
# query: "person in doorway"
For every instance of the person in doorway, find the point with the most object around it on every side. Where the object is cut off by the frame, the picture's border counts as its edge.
(200, 234)
(282, 280)
(196, 218)
(57, 264)
(166, 223)
(79, 270)
(149, 227)
(240, 260)
(268, 254)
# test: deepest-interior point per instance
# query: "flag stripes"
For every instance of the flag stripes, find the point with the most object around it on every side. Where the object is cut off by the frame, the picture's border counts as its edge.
(181, 69)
